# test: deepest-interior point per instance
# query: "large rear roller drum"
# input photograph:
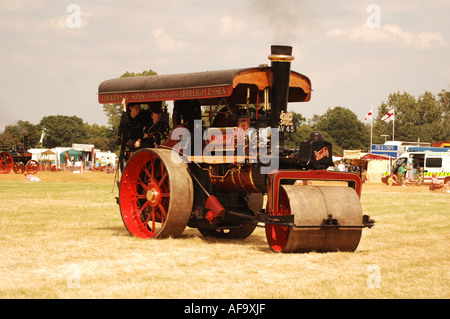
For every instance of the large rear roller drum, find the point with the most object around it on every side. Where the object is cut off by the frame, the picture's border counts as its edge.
(155, 194)
(311, 205)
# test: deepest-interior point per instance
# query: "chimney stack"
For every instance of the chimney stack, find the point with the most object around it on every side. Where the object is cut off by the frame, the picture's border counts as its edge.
(280, 57)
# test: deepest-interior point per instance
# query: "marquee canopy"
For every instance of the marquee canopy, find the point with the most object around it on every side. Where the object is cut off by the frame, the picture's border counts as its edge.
(72, 153)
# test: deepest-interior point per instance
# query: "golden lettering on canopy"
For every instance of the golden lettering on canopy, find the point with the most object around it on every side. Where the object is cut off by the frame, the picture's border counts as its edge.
(192, 93)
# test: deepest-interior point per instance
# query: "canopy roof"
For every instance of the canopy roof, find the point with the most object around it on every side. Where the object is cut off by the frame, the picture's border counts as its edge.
(205, 86)
(72, 153)
(371, 156)
(48, 152)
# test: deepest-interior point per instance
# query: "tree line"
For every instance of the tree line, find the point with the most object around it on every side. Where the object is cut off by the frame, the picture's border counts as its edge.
(425, 118)
(60, 131)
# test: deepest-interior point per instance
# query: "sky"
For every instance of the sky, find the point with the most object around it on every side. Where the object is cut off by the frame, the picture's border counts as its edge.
(55, 53)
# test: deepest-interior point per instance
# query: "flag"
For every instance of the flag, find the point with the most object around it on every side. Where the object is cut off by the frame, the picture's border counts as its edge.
(369, 116)
(389, 116)
(42, 137)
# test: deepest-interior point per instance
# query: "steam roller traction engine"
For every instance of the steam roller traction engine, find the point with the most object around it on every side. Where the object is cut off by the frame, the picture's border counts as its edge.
(17, 159)
(225, 168)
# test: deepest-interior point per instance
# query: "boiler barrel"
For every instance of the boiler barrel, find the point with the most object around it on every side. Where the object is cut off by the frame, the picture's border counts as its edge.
(245, 179)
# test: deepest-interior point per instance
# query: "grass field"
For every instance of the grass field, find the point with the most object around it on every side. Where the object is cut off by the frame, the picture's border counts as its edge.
(63, 237)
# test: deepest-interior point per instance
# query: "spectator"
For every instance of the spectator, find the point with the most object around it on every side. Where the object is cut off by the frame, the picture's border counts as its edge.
(392, 179)
(401, 174)
(420, 176)
(341, 166)
(435, 184)
(31, 178)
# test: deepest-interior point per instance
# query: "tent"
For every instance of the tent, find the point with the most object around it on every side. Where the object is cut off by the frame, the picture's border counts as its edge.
(376, 165)
(47, 157)
(73, 155)
(371, 156)
(352, 154)
(48, 152)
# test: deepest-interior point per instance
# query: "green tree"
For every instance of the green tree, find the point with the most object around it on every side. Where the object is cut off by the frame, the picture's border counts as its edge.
(63, 130)
(444, 101)
(15, 133)
(424, 118)
(101, 136)
(7, 139)
(402, 102)
(300, 134)
(429, 118)
(344, 128)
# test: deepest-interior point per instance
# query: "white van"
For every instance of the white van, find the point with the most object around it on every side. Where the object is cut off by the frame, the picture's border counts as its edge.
(432, 162)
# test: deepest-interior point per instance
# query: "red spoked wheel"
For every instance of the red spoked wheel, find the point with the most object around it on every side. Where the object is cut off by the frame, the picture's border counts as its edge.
(6, 163)
(19, 168)
(277, 235)
(155, 194)
(32, 167)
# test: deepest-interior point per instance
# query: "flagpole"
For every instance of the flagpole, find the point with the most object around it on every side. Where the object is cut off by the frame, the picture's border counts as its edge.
(371, 131)
(368, 117)
(393, 126)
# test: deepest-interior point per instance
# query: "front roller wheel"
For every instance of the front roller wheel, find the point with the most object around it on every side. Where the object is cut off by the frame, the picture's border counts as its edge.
(155, 194)
(311, 205)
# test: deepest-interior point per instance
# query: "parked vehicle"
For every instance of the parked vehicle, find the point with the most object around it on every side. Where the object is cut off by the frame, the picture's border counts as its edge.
(431, 161)
(17, 159)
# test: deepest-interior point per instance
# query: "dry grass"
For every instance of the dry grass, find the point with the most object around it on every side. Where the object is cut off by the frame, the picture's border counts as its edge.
(63, 238)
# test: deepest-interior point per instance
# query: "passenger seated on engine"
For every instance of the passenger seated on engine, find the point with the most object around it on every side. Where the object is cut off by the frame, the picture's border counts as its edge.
(157, 130)
(132, 122)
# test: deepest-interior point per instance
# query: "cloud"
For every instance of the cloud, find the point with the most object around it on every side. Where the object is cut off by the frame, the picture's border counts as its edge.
(231, 25)
(18, 5)
(58, 26)
(165, 42)
(387, 34)
(72, 19)
(23, 59)
(422, 40)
